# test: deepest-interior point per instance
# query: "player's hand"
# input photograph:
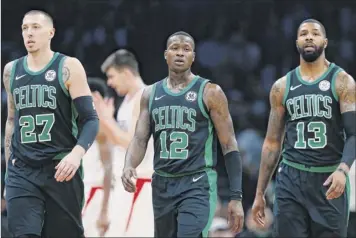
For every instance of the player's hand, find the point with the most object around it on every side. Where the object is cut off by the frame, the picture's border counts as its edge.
(235, 216)
(68, 166)
(338, 181)
(258, 210)
(104, 106)
(127, 180)
(103, 223)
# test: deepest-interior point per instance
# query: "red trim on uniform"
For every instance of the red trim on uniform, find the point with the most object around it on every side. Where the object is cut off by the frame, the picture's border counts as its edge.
(139, 184)
(90, 197)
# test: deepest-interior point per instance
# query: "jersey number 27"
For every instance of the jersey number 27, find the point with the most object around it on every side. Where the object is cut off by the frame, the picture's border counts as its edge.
(28, 125)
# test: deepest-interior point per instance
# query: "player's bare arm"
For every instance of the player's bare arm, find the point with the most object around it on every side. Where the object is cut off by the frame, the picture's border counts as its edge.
(272, 144)
(9, 127)
(106, 160)
(114, 133)
(346, 91)
(271, 147)
(217, 104)
(75, 80)
(138, 145)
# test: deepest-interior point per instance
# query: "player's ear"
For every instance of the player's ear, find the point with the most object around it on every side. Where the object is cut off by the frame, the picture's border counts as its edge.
(165, 54)
(193, 56)
(51, 33)
(326, 43)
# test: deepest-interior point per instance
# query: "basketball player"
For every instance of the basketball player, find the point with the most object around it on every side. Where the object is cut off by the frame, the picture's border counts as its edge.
(123, 75)
(48, 100)
(183, 112)
(315, 104)
(97, 166)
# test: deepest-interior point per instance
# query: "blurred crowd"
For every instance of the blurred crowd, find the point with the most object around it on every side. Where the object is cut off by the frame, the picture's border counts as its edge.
(244, 46)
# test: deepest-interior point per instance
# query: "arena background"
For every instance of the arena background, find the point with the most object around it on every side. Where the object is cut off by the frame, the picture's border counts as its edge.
(244, 46)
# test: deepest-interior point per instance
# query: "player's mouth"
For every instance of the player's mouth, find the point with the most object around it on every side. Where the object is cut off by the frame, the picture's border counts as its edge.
(30, 42)
(309, 47)
(179, 62)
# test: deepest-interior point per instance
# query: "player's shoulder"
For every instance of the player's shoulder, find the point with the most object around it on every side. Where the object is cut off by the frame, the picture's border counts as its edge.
(9, 65)
(147, 91)
(71, 61)
(343, 82)
(280, 84)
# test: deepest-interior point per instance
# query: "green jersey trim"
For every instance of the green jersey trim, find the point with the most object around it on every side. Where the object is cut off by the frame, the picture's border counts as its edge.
(299, 76)
(209, 141)
(169, 175)
(320, 169)
(151, 97)
(42, 70)
(286, 91)
(189, 86)
(201, 100)
(12, 74)
(333, 84)
(213, 197)
(60, 76)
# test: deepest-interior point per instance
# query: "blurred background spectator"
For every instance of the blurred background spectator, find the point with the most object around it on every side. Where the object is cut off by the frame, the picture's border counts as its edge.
(244, 46)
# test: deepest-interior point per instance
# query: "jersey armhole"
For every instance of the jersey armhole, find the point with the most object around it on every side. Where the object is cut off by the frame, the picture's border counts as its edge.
(12, 74)
(333, 84)
(152, 94)
(286, 91)
(201, 103)
(60, 76)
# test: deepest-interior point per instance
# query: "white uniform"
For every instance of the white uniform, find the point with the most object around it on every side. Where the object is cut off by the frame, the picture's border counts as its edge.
(123, 221)
(93, 192)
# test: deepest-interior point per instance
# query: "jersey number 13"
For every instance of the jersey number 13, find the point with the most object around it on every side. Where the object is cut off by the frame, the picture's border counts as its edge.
(319, 139)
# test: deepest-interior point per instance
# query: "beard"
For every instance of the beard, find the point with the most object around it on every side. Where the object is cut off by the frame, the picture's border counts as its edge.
(311, 56)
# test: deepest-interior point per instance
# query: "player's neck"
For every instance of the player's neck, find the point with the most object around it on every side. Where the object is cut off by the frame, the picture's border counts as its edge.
(179, 79)
(315, 68)
(137, 85)
(39, 59)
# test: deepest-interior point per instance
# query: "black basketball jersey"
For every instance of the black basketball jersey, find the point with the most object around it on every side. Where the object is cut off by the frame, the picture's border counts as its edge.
(184, 136)
(314, 132)
(45, 118)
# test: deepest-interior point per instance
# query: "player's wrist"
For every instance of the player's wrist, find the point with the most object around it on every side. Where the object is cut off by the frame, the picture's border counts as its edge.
(79, 151)
(343, 168)
(342, 171)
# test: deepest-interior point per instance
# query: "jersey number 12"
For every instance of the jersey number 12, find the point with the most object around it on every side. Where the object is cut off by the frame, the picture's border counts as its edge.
(319, 140)
(178, 145)
(28, 125)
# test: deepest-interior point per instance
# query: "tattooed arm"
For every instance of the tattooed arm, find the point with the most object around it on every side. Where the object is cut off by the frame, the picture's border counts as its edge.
(216, 102)
(75, 80)
(78, 90)
(272, 144)
(138, 145)
(9, 127)
(346, 91)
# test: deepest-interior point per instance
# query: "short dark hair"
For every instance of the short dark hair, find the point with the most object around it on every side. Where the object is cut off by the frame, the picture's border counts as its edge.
(98, 85)
(46, 14)
(180, 33)
(119, 59)
(311, 20)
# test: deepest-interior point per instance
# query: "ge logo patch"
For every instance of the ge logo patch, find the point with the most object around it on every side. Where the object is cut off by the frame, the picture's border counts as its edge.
(324, 85)
(50, 75)
(191, 96)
